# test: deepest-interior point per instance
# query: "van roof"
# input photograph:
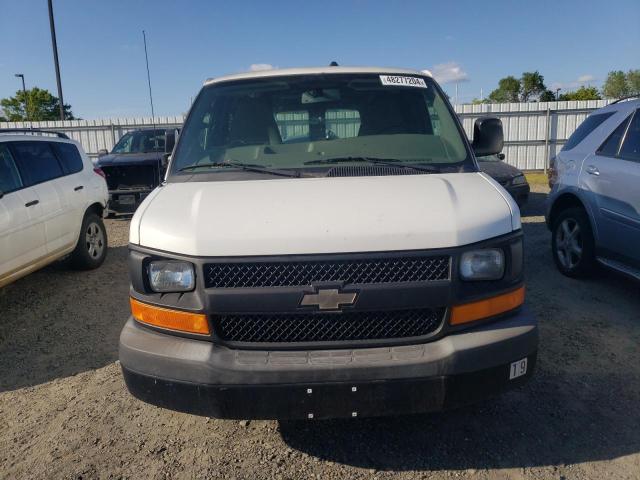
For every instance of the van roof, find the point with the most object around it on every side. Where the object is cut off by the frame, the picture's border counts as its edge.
(277, 72)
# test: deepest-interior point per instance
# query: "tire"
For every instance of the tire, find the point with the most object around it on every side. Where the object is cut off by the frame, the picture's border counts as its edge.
(91, 249)
(572, 243)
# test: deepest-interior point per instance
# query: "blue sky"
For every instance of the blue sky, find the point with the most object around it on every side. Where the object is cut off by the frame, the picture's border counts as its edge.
(477, 42)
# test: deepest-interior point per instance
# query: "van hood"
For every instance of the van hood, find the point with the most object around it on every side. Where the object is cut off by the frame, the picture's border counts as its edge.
(117, 159)
(324, 215)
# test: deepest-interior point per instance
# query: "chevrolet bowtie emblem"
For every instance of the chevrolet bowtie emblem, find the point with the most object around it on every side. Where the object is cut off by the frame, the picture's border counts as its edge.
(328, 299)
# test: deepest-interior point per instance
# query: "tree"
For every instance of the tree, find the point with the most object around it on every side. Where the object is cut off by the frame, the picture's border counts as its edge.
(633, 82)
(41, 105)
(616, 86)
(507, 91)
(583, 93)
(531, 86)
(547, 96)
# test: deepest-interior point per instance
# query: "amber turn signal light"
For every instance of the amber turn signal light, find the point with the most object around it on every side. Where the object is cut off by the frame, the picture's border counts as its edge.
(488, 307)
(168, 318)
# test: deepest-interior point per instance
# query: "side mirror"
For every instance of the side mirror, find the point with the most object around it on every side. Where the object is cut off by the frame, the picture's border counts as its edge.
(500, 156)
(488, 137)
(169, 140)
(165, 159)
(102, 152)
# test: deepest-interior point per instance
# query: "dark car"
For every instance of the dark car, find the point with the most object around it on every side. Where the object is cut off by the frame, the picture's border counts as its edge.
(135, 167)
(512, 179)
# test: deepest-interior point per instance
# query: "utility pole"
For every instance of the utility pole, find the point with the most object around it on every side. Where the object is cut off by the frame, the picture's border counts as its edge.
(146, 56)
(54, 44)
(153, 115)
(24, 91)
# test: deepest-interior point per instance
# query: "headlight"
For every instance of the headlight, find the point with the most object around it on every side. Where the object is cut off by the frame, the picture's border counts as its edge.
(519, 180)
(171, 276)
(486, 264)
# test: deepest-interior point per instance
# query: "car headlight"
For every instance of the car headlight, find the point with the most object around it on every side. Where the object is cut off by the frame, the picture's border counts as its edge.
(485, 264)
(171, 276)
(519, 180)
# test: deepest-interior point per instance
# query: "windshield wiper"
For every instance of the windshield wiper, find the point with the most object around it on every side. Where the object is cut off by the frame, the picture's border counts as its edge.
(247, 167)
(392, 162)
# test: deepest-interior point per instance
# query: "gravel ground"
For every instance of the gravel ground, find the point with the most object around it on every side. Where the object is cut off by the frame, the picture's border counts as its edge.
(65, 413)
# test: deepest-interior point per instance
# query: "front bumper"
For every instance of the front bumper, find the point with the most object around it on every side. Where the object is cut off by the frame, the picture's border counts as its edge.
(200, 377)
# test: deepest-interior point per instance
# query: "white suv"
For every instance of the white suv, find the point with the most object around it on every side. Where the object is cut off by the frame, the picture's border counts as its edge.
(51, 204)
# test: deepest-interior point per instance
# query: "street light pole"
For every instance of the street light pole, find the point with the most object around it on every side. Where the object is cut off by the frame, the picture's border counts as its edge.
(24, 91)
(54, 44)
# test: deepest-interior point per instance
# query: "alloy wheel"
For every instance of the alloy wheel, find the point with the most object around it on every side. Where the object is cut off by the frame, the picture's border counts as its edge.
(569, 243)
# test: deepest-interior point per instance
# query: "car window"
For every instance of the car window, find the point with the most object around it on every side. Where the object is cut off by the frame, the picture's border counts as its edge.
(36, 162)
(631, 145)
(141, 141)
(610, 146)
(69, 157)
(9, 176)
(585, 128)
(301, 121)
(293, 126)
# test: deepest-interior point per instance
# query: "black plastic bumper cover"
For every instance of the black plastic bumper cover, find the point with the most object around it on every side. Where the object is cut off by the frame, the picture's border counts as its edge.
(325, 400)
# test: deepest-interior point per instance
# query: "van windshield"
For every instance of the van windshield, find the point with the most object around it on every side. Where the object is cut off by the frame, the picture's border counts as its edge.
(311, 122)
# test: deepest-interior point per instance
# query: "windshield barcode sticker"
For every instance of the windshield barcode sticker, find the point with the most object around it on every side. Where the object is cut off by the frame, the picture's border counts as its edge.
(400, 81)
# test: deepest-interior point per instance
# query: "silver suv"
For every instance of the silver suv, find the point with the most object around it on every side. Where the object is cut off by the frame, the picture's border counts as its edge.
(594, 206)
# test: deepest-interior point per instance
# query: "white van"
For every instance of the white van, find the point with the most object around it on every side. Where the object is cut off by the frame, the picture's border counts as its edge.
(324, 245)
(51, 203)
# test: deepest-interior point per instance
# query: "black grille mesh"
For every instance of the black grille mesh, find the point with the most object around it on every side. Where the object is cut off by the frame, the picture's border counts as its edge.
(327, 327)
(303, 273)
(372, 171)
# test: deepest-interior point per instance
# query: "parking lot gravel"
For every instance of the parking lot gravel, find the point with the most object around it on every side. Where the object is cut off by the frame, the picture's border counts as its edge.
(65, 412)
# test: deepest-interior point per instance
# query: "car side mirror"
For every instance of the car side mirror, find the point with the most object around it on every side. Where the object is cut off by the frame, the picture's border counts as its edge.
(102, 152)
(169, 140)
(488, 137)
(165, 159)
(500, 156)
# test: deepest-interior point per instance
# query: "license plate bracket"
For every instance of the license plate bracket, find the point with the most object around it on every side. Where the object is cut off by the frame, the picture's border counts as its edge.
(127, 199)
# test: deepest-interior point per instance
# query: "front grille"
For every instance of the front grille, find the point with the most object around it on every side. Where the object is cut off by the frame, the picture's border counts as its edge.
(327, 327)
(304, 273)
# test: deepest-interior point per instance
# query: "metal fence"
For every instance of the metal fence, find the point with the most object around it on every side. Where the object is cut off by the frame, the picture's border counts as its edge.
(534, 132)
(95, 135)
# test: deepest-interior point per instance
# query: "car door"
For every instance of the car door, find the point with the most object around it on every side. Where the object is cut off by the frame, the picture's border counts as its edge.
(41, 170)
(612, 175)
(22, 238)
(73, 187)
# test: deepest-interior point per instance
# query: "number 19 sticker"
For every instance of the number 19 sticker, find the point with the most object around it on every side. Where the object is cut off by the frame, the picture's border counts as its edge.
(518, 369)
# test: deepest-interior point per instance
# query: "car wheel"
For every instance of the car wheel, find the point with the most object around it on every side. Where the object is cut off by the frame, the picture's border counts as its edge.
(572, 243)
(91, 249)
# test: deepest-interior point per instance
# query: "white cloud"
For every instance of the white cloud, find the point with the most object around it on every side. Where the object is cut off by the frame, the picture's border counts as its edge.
(449, 72)
(255, 67)
(585, 79)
